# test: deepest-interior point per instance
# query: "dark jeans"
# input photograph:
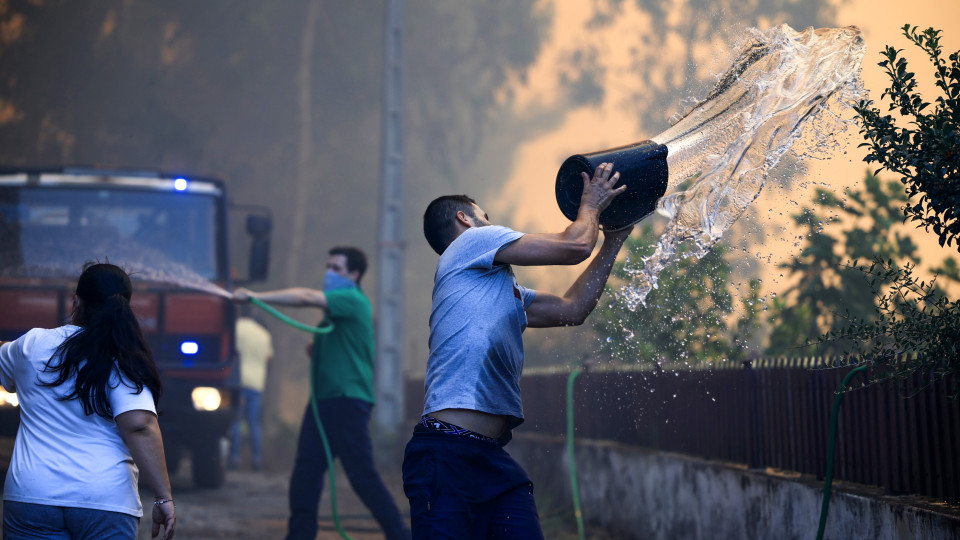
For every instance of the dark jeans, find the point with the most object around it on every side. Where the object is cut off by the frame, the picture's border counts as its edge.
(22, 521)
(461, 487)
(249, 411)
(345, 422)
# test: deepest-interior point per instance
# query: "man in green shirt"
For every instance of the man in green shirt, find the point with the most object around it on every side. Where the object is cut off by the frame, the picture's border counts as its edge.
(343, 386)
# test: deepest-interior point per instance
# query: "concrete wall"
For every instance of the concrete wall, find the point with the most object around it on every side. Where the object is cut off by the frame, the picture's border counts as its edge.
(651, 495)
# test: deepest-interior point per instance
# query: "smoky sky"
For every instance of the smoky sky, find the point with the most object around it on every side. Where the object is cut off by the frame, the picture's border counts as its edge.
(215, 88)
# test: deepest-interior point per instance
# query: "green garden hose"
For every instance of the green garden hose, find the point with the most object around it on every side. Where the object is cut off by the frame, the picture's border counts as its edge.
(574, 484)
(831, 446)
(325, 329)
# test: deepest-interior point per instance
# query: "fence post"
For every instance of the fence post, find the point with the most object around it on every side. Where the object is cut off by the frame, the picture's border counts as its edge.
(752, 414)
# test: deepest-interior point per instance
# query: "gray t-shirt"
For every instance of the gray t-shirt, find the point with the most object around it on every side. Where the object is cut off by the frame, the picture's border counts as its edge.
(476, 347)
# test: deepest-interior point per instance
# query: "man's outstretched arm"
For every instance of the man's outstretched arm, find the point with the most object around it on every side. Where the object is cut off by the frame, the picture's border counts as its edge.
(571, 309)
(576, 242)
(294, 296)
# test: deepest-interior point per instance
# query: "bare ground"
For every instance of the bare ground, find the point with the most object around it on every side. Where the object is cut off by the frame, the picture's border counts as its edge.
(253, 506)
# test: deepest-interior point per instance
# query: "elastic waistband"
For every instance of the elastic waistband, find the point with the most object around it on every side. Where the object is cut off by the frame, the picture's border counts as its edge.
(429, 423)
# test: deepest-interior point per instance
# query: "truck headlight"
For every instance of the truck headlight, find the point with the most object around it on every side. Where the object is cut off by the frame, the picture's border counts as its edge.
(8, 399)
(206, 398)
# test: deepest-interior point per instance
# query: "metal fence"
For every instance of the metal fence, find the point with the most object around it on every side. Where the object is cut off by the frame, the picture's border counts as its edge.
(774, 413)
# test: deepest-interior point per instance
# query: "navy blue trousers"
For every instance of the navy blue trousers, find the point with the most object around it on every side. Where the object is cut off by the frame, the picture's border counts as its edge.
(345, 422)
(461, 487)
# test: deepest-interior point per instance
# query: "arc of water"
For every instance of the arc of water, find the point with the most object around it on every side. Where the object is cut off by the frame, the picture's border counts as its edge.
(726, 145)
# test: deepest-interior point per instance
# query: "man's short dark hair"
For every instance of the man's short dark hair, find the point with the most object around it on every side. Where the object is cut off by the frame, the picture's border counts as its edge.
(356, 259)
(439, 221)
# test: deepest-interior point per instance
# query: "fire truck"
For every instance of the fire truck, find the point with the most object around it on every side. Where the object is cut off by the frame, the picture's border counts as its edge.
(170, 232)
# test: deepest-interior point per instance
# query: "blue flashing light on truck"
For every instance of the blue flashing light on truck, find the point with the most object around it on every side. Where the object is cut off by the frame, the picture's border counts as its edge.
(171, 233)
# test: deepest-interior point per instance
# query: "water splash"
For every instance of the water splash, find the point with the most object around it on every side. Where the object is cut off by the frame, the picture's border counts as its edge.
(151, 265)
(786, 91)
(179, 275)
(143, 263)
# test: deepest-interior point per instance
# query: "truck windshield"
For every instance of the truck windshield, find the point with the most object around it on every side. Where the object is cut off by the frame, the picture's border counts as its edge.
(51, 232)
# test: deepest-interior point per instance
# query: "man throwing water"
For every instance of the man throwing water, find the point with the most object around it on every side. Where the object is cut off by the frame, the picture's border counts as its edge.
(460, 481)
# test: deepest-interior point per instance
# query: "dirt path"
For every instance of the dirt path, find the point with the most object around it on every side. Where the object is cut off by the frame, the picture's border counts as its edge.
(253, 505)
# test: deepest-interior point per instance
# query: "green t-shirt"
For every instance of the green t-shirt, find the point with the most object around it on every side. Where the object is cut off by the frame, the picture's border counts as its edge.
(343, 358)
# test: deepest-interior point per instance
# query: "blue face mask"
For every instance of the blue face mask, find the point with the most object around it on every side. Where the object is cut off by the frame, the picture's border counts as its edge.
(334, 281)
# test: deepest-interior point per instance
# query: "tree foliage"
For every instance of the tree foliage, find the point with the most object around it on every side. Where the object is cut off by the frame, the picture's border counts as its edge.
(685, 318)
(827, 291)
(912, 334)
(914, 330)
(924, 148)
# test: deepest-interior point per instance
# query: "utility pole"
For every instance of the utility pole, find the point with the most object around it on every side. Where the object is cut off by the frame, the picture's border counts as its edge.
(390, 252)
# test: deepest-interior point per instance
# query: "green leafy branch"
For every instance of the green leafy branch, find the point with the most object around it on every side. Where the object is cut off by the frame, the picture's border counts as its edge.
(913, 335)
(926, 153)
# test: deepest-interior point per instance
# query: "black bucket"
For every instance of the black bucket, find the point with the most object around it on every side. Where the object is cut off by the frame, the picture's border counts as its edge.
(642, 167)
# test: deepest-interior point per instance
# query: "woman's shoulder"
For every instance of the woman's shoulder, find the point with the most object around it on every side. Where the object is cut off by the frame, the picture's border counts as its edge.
(59, 333)
(48, 336)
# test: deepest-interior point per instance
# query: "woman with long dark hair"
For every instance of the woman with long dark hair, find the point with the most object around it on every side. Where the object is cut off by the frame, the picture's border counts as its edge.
(88, 427)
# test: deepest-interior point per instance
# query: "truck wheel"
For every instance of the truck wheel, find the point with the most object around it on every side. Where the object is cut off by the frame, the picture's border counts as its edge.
(208, 463)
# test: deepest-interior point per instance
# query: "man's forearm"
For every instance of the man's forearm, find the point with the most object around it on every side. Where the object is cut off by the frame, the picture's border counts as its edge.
(597, 193)
(571, 309)
(586, 228)
(587, 289)
(295, 296)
